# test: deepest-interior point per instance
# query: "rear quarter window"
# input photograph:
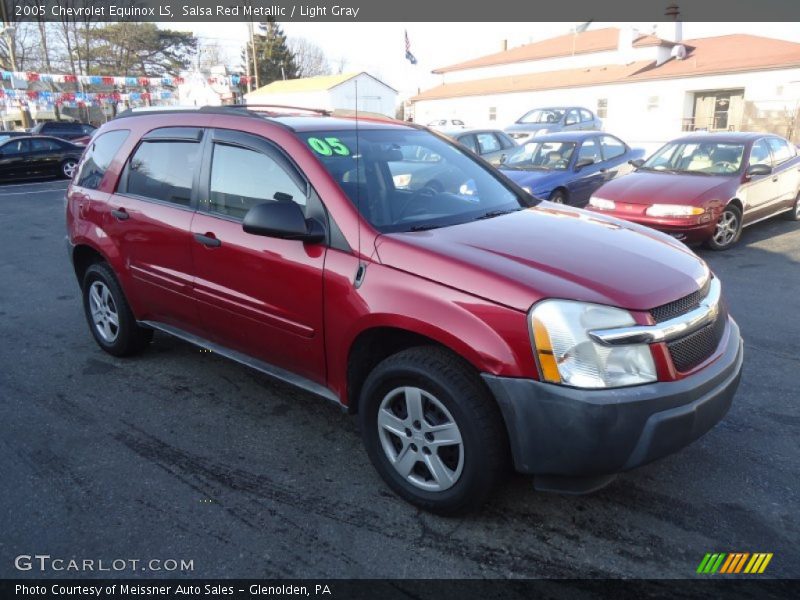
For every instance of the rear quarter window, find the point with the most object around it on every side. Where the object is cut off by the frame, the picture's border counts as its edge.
(99, 155)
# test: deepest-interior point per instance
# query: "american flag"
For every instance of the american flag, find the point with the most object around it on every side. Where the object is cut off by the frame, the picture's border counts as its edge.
(410, 57)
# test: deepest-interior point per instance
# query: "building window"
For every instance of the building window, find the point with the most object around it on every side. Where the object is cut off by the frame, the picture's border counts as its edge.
(493, 113)
(602, 108)
(652, 103)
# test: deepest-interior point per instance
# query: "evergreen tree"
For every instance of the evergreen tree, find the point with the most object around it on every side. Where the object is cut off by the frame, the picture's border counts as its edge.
(272, 57)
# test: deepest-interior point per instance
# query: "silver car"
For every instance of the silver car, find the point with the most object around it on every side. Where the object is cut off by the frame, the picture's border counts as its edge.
(552, 120)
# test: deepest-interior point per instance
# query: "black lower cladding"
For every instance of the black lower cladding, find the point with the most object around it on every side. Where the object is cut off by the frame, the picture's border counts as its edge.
(557, 430)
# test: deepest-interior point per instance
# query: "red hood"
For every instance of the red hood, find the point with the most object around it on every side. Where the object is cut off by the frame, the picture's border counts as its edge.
(644, 187)
(546, 252)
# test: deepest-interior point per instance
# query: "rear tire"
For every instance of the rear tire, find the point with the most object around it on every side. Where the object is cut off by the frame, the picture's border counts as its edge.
(432, 430)
(794, 214)
(728, 229)
(110, 319)
(68, 168)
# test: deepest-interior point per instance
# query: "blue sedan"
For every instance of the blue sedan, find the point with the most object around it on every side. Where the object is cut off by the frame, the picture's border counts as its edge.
(568, 167)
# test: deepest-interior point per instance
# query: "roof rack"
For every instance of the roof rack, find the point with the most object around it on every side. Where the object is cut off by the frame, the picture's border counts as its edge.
(253, 110)
(282, 108)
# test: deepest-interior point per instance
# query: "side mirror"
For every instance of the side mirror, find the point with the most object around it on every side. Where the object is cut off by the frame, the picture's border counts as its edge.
(583, 162)
(636, 162)
(283, 220)
(759, 169)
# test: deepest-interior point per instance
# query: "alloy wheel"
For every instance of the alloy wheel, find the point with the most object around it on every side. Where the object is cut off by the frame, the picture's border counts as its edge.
(727, 228)
(104, 311)
(420, 439)
(69, 168)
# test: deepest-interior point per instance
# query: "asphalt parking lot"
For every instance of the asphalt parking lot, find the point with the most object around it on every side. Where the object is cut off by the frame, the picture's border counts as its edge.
(180, 454)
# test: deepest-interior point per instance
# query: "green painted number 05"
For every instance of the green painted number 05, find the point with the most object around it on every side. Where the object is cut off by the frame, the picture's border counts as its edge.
(328, 146)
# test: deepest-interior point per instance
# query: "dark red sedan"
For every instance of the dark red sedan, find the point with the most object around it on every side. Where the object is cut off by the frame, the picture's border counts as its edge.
(704, 188)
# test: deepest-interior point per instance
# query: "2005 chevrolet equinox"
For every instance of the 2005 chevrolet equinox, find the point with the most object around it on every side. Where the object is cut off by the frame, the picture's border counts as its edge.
(374, 263)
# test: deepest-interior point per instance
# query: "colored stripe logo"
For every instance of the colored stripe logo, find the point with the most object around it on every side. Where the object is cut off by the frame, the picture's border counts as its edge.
(734, 562)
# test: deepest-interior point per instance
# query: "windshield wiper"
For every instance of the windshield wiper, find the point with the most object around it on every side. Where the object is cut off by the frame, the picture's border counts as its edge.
(427, 227)
(496, 213)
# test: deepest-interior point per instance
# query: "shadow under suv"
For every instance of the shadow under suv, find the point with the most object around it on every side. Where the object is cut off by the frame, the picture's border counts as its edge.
(470, 325)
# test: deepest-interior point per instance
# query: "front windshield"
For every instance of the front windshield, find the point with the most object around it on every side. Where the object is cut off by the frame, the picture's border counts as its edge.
(548, 156)
(542, 115)
(410, 180)
(700, 157)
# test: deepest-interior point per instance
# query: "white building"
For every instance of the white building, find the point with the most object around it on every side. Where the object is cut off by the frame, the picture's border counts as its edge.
(210, 88)
(349, 91)
(647, 89)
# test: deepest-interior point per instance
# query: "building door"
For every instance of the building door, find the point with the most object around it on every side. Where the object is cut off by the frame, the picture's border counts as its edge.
(719, 110)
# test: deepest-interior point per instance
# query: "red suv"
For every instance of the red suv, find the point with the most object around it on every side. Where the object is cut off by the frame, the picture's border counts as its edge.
(389, 270)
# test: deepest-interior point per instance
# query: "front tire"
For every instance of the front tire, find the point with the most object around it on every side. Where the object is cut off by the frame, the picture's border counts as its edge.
(110, 319)
(432, 430)
(728, 229)
(558, 197)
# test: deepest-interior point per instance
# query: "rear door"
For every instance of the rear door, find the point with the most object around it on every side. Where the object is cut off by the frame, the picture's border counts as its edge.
(590, 177)
(258, 295)
(151, 216)
(759, 193)
(46, 156)
(489, 147)
(615, 154)
(785, 168)
(572, 120)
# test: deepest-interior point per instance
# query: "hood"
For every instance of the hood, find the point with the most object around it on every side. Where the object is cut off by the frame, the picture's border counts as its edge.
(643, 187)
(536, 179)
(550, 251)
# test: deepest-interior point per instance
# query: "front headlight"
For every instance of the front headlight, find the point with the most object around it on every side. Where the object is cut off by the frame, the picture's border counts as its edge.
(567, 355)
(673, 210)
(602, 203)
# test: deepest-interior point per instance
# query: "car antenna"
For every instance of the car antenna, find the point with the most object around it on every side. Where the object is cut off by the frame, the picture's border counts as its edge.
(361, 271)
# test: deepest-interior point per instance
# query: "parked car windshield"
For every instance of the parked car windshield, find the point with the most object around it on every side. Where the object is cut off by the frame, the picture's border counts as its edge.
(410, 180)
(701, 157)
(548, 156)
(542, 115)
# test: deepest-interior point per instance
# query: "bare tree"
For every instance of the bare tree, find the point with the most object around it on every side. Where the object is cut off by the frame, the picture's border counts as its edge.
(309, 58)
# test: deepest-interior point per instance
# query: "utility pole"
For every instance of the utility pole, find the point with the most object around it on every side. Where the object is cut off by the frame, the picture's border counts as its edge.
(8, 33)
(253, 51)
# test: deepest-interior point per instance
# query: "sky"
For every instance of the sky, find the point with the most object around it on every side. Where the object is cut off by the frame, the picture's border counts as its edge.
(379, 48)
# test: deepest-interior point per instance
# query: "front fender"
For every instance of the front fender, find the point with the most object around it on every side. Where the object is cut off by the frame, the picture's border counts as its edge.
(492, 338)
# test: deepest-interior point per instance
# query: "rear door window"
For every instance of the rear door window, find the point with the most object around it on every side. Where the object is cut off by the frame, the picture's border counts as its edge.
(488, 143)
(781, 150)
(612, 147)
(99, 155)
(164, 170)
(38, 145)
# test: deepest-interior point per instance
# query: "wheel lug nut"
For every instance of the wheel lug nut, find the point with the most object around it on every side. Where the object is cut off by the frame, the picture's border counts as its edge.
(426, 450)
(417, 425)
(408, 432)
(414, 447)
(429, 437)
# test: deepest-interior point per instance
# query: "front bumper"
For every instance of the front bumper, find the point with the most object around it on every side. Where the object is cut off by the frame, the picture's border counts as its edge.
(688, 231)
(561, 431)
